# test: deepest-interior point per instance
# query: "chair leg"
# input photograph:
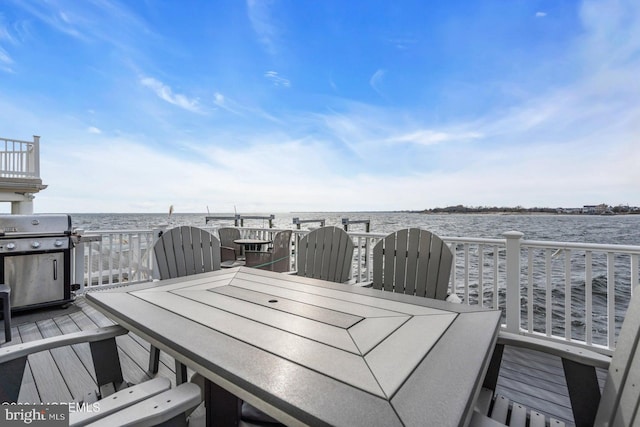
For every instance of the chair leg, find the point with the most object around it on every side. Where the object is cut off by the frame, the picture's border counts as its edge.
(584, 390)
(5, 296)
(154, 359)
(181, 373)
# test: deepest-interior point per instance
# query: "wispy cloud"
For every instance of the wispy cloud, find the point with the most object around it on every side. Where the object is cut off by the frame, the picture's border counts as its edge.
(66, 22)
(376, 80)
(402, 43)
(259, 12)
(277, 79)
(541, 14)
(5, 61)
(94, 130)
(431, 137)
(165, 93)
(223, 102)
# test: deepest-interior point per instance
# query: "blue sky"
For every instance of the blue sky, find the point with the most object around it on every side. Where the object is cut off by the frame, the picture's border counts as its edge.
(333, 105)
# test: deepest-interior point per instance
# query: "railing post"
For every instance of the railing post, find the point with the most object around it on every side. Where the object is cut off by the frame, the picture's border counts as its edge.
(78, 263)
(513, 240)
(36, 156)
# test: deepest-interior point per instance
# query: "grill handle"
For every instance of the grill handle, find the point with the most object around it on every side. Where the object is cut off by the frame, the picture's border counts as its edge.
(55, 269)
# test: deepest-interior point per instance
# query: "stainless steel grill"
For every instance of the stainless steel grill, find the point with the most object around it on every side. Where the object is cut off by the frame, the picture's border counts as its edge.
(35, 257)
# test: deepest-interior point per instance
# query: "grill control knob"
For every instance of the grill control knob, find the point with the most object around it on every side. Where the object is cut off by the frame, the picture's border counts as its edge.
(58, 243)
(11, 246)
(35, 245)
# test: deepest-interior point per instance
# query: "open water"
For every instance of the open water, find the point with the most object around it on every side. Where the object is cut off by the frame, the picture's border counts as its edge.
(612, 229)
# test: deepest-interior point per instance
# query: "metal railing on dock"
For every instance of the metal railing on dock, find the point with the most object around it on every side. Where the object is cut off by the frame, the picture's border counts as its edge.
(238, 220)
(298, 222)
(346, 222)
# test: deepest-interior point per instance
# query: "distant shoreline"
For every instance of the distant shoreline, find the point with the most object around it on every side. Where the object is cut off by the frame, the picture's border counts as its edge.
(586, 210)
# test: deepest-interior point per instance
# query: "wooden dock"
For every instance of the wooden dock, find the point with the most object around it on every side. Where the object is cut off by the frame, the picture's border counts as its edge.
(66, 374)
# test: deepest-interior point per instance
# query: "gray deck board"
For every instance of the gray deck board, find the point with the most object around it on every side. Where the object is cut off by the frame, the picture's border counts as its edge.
(530, 378)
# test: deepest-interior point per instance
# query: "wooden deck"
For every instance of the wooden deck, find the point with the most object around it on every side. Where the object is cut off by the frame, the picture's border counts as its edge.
(66, 374)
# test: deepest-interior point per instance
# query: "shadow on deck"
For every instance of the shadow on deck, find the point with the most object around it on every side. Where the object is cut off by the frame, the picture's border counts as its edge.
(66, 374)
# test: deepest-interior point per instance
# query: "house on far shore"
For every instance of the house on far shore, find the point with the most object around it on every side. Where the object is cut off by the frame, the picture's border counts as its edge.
(570, 211)
(596, 209)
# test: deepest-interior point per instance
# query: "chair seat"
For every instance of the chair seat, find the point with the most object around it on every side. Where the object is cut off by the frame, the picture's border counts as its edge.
(499, 411)
(167, 407)
(120, 400)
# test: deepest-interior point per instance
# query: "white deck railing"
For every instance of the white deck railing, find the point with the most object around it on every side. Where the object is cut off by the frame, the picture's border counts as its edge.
(20, 159)
(556, 290)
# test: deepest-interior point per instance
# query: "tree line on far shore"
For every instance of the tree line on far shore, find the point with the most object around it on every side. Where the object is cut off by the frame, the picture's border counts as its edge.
(600, 209)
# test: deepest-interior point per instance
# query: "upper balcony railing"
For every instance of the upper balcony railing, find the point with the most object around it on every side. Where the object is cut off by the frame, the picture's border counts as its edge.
(554, 290)
(20, 159)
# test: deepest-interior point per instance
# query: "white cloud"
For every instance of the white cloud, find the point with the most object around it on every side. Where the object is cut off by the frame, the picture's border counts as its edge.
(94, 130)
(430, 137)
(164, 92)
(259, 12)
(276, 79)
(5, 61)
(376, 80)
(541, 14)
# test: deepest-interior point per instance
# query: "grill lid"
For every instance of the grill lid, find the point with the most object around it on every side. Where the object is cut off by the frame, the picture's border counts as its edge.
(42, 224)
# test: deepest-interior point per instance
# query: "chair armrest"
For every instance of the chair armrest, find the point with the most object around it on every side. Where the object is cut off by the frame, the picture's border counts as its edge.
(20, 350)
(104, 353)
(563, 350)
(120, 400)
(227, 253)
(156, 409)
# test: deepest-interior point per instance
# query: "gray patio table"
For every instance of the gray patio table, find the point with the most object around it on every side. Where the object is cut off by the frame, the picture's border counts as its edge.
(310, 352)
(252, 244)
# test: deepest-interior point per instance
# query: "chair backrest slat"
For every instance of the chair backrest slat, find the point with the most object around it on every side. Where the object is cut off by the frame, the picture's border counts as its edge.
(183, 251)
(619, 402)
(414, 262)
(281, 255)
(401, 254)
(325, 253)
(413, 246)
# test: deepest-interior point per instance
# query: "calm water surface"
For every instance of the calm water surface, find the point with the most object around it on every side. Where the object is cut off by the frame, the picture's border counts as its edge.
(616, 229)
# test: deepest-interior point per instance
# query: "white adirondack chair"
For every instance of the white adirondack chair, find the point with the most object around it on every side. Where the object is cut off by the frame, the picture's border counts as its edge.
(230, 252)
(149, 403)
(619, 405)
(277, 258)
(412, 261)
(325, 253)
(183, 251)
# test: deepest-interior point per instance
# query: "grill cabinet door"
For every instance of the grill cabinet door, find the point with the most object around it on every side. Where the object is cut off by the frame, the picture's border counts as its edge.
(35, 278)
